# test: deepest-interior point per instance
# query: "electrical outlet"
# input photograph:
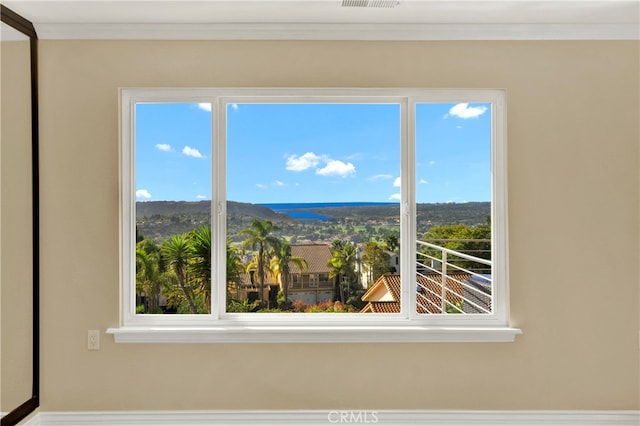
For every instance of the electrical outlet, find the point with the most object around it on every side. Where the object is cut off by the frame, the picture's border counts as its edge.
(93, 340)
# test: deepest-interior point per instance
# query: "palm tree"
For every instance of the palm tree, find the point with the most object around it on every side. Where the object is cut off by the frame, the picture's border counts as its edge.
(148, 273)
(280, 265)
(343, 264)
(258, 237)
(392, 241)
(200, 240)
(177, 252)
(235, 267)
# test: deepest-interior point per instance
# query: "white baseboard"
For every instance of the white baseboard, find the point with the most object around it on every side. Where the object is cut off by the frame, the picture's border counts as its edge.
(327, 417)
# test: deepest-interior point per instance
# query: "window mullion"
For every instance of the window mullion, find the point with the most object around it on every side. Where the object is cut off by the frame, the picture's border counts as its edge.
(129, 205)
(218, 208)
(407, 207)
(499, 232)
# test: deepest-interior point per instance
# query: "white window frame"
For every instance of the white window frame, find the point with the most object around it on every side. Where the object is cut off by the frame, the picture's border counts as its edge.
(220, 326)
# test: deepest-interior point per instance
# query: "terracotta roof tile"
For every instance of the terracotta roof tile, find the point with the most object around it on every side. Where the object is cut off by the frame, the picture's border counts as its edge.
(392, 284)
(428, 298)
(385, 307)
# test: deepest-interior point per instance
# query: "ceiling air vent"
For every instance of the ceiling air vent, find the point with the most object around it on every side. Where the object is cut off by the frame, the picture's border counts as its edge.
(370, 3)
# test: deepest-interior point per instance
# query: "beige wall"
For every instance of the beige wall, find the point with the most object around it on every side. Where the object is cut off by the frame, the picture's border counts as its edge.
(573, 134)
(15, 226)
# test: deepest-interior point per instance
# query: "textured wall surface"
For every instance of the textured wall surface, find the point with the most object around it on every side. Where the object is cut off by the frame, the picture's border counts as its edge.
(573, 156)
(15, 226)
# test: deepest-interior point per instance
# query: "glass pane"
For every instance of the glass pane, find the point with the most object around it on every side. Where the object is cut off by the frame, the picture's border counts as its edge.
(312, 213)
(173, 208)
(453, 195)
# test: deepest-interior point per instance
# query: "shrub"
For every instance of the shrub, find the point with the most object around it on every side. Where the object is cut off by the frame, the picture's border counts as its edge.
(283, 303)
(234, 305)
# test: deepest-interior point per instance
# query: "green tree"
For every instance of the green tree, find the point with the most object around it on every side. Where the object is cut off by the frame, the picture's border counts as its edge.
(376, 260)
(177, 252)
(471, 240)
(280, 265)
(259, 238)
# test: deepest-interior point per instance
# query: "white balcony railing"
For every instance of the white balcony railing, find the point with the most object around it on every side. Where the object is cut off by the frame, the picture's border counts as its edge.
(453, 282)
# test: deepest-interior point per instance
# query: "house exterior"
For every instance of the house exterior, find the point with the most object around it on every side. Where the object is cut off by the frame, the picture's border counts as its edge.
(312, 284)
(384, 295)
(248, 287)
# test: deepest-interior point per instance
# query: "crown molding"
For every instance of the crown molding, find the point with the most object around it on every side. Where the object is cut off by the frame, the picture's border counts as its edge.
(372, 32)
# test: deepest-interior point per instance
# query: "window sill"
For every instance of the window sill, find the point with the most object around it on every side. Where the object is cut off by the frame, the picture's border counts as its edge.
(312, 334)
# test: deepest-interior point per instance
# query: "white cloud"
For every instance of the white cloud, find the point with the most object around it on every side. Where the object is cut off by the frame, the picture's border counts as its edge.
(337, 168)
(164, 147)
(431, 163)
(201, 197)
(234, 107)
(205, 106)
(396, 182)
(310, 160)
(279, 183)
(381, 177)
(422, 182)
(261, 185)
(143, 193)
(304, 162)
(192, 152)
(463, 110)
(395, 196)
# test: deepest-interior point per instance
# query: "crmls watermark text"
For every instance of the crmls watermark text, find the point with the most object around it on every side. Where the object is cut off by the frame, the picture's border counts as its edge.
(352, 417)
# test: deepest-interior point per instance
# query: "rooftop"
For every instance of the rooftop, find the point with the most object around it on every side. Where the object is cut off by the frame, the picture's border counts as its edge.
(316, 255)
(384, 295)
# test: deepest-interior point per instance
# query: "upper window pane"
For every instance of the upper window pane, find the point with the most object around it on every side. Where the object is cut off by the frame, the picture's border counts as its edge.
(313, 193)
(453, 208)
(173, 205)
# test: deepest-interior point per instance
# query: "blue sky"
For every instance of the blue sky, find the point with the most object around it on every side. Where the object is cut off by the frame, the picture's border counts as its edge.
(280, 153)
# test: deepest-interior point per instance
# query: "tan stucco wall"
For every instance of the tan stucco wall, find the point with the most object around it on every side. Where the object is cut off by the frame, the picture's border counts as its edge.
(573, 135)
(15, 225)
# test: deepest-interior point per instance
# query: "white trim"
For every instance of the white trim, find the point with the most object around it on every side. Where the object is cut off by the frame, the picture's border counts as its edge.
(312, 334)
(297, 31)
(328, 417)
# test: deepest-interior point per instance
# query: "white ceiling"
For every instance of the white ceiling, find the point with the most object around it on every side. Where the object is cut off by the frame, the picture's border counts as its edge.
(327, 19)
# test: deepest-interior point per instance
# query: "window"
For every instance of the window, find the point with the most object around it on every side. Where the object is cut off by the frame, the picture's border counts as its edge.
(313, 280)
(271, 214)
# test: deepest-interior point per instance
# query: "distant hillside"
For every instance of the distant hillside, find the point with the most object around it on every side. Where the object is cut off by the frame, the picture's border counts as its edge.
(474, 213)
(238, 209)
(173, 208)
(158, 220)
(170, 208)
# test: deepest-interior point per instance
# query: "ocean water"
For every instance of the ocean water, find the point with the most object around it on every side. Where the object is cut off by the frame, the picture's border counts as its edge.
(303, 211)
